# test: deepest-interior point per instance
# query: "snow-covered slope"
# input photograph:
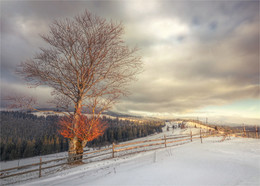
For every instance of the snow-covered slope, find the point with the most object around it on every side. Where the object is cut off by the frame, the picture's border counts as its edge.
(231, 162)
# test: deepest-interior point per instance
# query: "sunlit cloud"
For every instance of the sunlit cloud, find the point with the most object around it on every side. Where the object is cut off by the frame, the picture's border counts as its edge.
(196, 54)
(140, 7)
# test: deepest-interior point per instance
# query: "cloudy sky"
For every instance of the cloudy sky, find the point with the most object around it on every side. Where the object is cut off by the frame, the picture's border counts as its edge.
(201, 58)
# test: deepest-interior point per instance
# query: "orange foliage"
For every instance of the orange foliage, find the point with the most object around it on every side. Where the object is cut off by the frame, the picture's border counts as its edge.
(87, 129)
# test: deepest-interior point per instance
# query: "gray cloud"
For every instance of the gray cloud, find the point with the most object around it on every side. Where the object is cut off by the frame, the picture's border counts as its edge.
(195, 53)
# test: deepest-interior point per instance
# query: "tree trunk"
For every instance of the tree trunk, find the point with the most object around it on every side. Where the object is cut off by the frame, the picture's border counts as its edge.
(75, 152)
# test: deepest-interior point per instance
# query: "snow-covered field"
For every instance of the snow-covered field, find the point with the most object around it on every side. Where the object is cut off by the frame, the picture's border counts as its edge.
(231, 162)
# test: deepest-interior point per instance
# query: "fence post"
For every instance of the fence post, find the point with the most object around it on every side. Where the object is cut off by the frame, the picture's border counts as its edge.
(40, 167)
(165, 141)
(190, 135)
(113, 150)
(256, 132)
(244, 131)
(200, 136)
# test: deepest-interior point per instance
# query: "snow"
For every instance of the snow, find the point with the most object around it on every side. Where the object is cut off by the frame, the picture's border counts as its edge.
(232, 162)
(26, 161)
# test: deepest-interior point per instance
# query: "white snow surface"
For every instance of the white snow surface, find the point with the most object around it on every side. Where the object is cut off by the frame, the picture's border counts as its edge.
(232, 162)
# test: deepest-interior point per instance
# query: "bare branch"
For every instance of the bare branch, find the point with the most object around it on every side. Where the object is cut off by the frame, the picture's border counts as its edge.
(87, 64)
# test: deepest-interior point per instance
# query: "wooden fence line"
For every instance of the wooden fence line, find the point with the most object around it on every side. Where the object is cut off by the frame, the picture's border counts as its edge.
(140, 146)
(182, 137)
(137, 142)
(96, 156)
(20, 173)
(59, 159)
(112, 150)
(101, 150)
(178, 140)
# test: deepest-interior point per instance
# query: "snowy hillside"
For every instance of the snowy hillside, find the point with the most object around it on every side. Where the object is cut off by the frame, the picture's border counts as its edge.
(232, 162)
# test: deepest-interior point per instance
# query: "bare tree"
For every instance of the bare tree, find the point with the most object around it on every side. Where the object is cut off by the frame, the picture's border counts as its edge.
(88, 65)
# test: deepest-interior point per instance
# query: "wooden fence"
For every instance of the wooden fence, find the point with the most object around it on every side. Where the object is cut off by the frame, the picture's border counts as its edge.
(116, 150)
(245, 132)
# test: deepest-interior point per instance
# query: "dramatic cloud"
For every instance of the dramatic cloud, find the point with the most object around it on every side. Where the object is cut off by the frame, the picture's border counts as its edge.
(196, 54)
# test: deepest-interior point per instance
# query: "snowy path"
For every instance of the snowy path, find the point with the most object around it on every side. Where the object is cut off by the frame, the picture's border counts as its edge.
(232, 162)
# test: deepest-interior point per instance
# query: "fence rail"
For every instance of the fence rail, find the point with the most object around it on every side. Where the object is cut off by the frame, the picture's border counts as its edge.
(117, 150)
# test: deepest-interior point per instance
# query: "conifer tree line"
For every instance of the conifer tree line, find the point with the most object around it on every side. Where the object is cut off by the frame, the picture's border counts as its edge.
(124, 130)
(26, 135)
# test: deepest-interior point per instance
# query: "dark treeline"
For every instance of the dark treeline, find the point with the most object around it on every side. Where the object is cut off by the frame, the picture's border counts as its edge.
(124, 130)
(25, 135)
